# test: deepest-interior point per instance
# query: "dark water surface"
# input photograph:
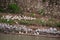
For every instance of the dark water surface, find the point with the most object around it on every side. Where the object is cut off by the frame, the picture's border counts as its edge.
(24, 37)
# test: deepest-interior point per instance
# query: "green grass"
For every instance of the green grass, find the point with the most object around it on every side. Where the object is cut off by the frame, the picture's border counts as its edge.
(32, 14)
(50, 22)
(32, 22)
(26, 22)
(1, 9)
(43, 0)
(57, 24)
(40, 22)
(5, 21)
(13, 8)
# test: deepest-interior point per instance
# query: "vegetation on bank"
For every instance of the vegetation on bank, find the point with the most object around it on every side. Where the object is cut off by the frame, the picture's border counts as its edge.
(49, 22)
(1, 9)
(32, 14)
(6, 21)
(14, 8)
(41, 12)
(11, 8)
(43, 0)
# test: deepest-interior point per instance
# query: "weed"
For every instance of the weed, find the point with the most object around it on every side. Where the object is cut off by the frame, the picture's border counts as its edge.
(13, 8)
(1, 9)
(41, 12)
(5, 21)
(32, 14)
(43, 0)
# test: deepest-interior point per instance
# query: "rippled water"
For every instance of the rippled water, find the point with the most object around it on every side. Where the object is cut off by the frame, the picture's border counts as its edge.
(24, 37)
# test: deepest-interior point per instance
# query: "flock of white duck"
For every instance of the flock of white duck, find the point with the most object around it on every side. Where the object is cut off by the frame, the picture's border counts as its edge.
(21, 29)
(18, 17)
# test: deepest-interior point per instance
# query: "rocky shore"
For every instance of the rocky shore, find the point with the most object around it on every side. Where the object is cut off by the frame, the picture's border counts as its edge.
(22, 29)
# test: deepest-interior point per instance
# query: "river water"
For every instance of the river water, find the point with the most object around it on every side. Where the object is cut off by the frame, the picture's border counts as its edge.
(24, 37)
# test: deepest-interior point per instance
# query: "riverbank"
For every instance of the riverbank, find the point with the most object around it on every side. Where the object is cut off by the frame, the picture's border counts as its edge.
(27, 25)
(24, 30)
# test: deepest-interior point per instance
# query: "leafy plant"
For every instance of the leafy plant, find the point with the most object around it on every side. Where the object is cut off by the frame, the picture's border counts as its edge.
(32, 14)
(43, 0)
(1, 9)
(57, 24)
(13, 8)
(41, 12)
(5, 21)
